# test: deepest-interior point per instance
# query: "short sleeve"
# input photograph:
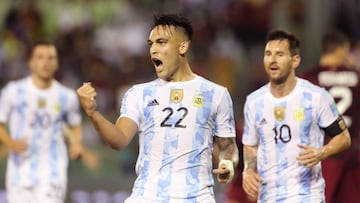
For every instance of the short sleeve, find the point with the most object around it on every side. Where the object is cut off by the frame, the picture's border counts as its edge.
(73, 111)
(249, 136)
(130, 106)
(225, 124)
(6, 96)
(328, 111)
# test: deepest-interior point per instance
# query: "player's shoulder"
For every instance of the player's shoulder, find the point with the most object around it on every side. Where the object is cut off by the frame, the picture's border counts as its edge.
(205, 83)
(148, 84)
(139, 87)
(15, 84)
(63, 88)
(209, 85)
(316, 91)
(307, 85)
(209, 82)
(258, 93)
(20, 81)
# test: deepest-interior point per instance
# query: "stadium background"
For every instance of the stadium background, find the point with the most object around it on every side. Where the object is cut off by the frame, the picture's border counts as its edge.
(105, 42)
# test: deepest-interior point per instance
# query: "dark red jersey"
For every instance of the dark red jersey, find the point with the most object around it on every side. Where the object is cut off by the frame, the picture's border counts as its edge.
(344, 85)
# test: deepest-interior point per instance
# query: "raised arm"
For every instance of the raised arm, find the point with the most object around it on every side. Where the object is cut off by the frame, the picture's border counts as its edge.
(118, 136)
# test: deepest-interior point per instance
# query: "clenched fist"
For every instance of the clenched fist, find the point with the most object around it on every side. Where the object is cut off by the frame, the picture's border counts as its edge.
(87, 96)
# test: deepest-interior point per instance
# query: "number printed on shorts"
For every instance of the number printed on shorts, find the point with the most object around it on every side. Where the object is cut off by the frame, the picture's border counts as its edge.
(166, 122)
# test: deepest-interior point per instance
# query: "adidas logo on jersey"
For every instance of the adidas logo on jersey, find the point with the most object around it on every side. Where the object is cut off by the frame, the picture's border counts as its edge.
(263, 122)
(153, 103)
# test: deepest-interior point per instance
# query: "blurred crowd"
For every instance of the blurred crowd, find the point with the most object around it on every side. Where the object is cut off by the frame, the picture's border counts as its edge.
(106, 42)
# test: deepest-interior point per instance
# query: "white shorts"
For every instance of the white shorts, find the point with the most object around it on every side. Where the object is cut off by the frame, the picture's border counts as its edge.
(209, 199)
(38, 194)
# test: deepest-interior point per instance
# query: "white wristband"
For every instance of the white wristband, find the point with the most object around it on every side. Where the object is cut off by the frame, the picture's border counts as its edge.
(230, 166)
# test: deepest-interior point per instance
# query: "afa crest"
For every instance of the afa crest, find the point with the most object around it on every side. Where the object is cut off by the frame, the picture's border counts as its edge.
(279, 113)
(41, 103)
(198, 100)
(176, 95)
(57, 107)
(299, 114)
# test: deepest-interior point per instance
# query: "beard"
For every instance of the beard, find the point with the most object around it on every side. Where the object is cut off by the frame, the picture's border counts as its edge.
(281, 79)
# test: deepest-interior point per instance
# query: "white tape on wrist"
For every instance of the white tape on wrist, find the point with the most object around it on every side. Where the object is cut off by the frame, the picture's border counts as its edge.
(230, 166)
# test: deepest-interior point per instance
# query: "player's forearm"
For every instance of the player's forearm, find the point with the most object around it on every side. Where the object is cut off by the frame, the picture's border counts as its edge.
(75, 135)
(108, 131)
(4, 137)
(336, 145)
(227, 158)
(215, 155)
(227, 150)
(250, 157)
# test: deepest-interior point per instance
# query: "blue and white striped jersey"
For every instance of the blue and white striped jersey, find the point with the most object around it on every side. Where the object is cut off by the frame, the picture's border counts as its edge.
(177, 122)
(37, 116)
(277, 126)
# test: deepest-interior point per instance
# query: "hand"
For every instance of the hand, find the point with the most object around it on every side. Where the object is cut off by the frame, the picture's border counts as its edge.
(251, 183)
(90, 159)
(310, 156)
(87, 96)
(75, 151)
(18, 146)
(225, 171)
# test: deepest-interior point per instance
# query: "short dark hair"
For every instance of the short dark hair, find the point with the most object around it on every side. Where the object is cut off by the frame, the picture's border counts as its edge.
(43, 42)
(278, 34)
(332, 40)
(175, 20)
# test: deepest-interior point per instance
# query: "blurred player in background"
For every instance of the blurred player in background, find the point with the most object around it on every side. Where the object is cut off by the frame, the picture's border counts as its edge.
(33, 111)
(285, 122)
(341, 79)
(179, 118)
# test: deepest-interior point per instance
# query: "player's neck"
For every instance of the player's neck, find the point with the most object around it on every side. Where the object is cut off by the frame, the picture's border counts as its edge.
(41, 83)
(283, 89)
(183, 74)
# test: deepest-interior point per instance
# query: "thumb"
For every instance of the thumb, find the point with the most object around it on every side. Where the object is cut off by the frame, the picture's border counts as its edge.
(229, 165)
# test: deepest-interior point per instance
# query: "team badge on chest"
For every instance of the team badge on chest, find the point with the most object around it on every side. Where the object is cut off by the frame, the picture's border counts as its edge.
(299, 114)
(279, 113)
(198, 100)
(176, 95)
(57, 108)
(41, 103)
